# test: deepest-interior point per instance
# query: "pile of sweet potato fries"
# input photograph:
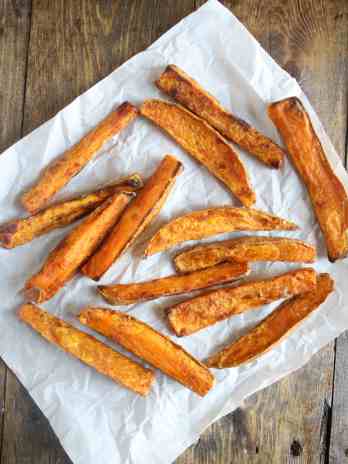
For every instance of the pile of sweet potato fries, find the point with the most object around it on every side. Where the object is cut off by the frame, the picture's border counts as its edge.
(116, 215)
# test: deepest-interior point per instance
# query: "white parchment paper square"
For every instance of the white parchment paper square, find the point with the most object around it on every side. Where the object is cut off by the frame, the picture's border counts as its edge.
(96, 420)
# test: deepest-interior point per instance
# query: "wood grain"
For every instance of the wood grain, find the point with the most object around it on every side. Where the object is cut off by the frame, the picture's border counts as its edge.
(14, 37)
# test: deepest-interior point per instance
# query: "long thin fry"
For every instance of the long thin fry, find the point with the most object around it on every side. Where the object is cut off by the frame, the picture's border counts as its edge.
(58, 174)
(150, 345)
(328, 195)
(138, 216)
(21, 231)
(203, 143)
(245, 249)
(124, 294)
(88, 349)
(212, 221)
(272, 330)
(179, 85)
(202, 311)
(64, 261)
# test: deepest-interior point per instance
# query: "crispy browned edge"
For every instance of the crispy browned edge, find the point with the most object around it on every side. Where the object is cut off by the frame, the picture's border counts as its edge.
(20, 231)
(327, 194)
(206, 217)
(64, 261)
(136, 218)
(274, 328)
(207, 309)
(88, 349)
(225, 165)
(178, 84)
(72, 161)
(244, 249)
(124, 294)
(147, 343)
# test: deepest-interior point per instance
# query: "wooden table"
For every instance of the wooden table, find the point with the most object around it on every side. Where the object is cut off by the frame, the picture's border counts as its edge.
(53, 50)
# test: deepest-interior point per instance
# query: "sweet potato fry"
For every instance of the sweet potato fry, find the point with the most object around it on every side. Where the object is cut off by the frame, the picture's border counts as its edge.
(274, 327)
(138, 216)
(124, 294)
(88, 349)
(204, 310)
(245, 249)
(179, 85)
(203, 143)
(21, 231)
(58, 174)
(328, 196)
(212, 221)
(150, 345)
(64, 261)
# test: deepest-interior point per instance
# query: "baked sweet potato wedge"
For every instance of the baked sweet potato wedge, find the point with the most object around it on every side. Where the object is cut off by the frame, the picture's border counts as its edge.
(138, 216)
(23, 230)
(274, 328)
(204, 310)
(61, 171)
(212, 221)
(245, 249)
(204, 144)
(327, 194)
(179, 85)
(88, 349)
(124, 294)
(65, 260)
(150, 345)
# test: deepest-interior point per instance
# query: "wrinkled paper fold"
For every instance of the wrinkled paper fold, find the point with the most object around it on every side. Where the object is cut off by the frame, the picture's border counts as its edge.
(96, 420)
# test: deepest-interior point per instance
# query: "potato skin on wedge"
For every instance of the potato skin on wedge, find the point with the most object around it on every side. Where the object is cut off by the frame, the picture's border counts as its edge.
(184, 89)
(67, 258)
(138, 216)
(23, 230)
(204, 310)
(150, 345)
(328, 195)
(274, 328)
(71, 162)
(124, 294)
(245, 249)
(213, 221)
(88, 349)
(204, 144)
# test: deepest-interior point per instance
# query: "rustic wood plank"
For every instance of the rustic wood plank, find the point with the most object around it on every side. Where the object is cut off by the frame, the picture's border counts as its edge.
(339, 421)
(14, 36)
(73, 44)
(290, 421)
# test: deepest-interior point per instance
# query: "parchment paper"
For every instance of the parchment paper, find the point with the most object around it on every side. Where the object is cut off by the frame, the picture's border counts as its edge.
(96, 420)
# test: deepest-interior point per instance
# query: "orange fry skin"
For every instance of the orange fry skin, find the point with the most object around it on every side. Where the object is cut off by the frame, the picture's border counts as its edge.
(274, 328)
(88, 349)
(328, 196)
(245, 249)
(23, 230)
(204, 144)
(204, 310)
(152, 346)
(65, 167)
(212, 221)
(183, 88)
(124, 294)
(65, 260)
(138, 216)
